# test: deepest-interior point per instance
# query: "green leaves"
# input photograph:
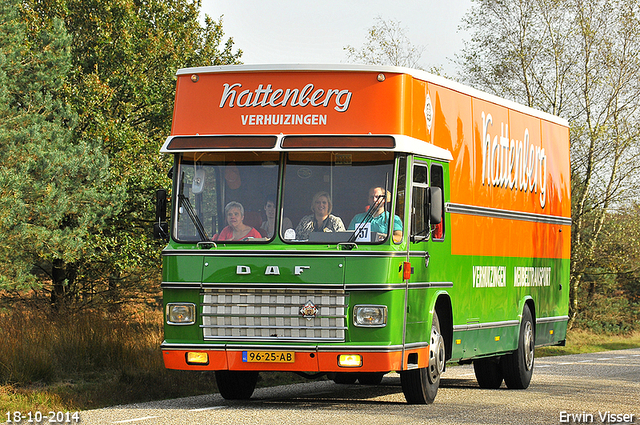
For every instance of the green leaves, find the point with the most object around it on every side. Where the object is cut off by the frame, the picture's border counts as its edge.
(51, 184)
(86, 98)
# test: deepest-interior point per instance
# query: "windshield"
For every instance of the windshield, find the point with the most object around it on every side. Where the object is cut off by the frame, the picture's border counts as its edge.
(223, 197)
(334, 197)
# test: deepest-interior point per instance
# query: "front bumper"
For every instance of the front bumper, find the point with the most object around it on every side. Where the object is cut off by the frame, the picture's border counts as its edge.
(307, 359)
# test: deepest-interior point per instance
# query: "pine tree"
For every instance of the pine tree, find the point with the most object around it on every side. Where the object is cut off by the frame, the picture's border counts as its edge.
(51, 185)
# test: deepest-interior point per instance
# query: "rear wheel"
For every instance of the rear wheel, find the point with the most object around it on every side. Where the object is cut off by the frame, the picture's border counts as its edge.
(488, 373)
(517, 368)
(236, 385)
(420, 386)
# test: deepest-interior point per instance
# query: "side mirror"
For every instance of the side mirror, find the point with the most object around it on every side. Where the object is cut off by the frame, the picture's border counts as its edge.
(435, 205)
(160, 227)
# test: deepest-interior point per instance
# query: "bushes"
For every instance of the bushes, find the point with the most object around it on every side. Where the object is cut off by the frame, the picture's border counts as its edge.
(89, 359)
(609, 314)
(41, 347)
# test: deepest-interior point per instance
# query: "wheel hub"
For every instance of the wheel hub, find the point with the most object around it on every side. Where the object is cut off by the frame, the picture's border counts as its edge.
(529, 346)
(436, 355)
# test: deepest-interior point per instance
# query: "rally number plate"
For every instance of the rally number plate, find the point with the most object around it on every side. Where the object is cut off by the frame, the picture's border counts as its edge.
(268, 356)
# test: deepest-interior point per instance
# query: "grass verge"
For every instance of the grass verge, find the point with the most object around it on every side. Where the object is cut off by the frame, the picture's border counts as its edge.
(78, 361)
(581, 341)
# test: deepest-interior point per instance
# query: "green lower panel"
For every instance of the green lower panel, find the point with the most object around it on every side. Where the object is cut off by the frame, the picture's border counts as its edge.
(484, 342)
(551, 333)
(497, 340)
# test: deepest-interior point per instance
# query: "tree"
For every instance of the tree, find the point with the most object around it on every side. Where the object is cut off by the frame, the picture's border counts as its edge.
(128, 53)
(578, 59)
(387, 44)
(120, 80)
(610, 294)
(53, 206)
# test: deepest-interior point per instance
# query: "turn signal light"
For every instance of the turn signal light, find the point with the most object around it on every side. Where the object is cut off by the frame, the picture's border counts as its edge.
(406, 270)
(350, 360)
(197, 358)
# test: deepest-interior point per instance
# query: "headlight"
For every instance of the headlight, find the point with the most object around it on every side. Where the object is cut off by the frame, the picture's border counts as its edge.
(370, 315)
(181, 314)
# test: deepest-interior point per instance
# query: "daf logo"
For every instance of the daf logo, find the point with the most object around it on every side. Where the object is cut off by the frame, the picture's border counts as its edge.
(271, 270)
(309, 310)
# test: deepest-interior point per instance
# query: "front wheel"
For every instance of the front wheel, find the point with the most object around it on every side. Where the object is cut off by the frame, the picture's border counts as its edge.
(517, 367)
(420, 386)
(236, 385)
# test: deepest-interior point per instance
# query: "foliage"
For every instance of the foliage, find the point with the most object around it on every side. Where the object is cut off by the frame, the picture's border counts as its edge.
(387, 44)
(115, 85)
(578, 59)
(51, 184)
(611, 290)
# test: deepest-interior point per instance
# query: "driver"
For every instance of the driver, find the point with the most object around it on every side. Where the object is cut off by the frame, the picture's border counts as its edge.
(380, 217)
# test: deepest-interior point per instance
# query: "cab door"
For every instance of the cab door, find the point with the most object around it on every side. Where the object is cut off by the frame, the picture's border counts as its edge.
(427, 248)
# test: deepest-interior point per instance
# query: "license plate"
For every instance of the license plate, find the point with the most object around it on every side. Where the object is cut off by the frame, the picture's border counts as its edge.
(268, 356)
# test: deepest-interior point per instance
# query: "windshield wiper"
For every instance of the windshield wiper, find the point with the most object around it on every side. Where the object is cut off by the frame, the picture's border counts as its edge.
(186, 204)
(368, 217)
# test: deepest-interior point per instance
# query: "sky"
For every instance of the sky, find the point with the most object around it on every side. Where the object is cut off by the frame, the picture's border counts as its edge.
(303, 31)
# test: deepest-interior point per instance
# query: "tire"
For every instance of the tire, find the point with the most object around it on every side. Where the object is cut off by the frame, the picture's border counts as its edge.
(236, 385)
(517, 367)
(370, 378)
(345, 378)
(420, 386)
(488, 373)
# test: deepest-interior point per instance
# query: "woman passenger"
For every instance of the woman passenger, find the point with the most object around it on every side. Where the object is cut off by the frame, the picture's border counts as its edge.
(236, 229)
(321, 220)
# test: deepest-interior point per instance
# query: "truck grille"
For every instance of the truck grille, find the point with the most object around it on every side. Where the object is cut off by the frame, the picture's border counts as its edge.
(273, 314)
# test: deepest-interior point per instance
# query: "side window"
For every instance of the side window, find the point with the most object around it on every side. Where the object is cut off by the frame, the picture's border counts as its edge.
(419, 222)
(400, 193)
(437, 180)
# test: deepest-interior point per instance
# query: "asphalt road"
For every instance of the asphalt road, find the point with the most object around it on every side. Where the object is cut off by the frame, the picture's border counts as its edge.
(587, 388)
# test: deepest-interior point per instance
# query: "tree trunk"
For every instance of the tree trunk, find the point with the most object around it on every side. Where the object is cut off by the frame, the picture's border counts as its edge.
(59, 277)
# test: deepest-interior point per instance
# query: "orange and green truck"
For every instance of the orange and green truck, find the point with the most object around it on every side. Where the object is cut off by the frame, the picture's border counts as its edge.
(349, 221)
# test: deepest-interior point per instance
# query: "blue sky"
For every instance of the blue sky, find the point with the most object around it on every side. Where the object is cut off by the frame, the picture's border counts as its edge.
(303, 31)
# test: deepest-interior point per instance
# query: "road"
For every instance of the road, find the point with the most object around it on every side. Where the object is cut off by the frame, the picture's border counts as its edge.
(587, 388)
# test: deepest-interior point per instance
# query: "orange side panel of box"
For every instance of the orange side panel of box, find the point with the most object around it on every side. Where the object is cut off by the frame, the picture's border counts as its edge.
(508, 238)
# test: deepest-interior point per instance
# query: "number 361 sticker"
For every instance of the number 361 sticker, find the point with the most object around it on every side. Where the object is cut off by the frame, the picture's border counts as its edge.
(364, 232)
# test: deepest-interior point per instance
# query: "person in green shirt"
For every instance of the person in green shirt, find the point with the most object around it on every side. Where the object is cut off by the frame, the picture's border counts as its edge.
(380, 218)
